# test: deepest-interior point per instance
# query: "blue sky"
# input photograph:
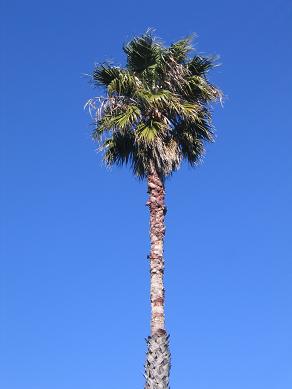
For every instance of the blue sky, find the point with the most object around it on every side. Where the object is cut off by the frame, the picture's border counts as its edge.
(74, 236)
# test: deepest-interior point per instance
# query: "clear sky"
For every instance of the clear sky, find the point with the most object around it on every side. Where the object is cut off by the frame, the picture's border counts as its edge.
(74, 236)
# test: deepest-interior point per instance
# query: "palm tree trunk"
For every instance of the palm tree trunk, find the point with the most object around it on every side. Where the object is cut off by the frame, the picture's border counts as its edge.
(157, 365)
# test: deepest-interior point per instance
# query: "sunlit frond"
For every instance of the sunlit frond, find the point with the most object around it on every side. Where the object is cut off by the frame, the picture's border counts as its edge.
(179, 50)
(147, 132)
(125, 84)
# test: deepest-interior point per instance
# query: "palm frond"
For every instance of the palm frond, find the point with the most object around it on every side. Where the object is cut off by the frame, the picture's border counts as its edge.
(118, 149)
(142, 52)
(147, 132)
(125, 84)
(201, 65)
(104, 74)
(180, 49)
(128, 118)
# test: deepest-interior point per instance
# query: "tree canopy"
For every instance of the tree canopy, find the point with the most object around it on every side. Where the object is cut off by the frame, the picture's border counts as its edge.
(155, 111)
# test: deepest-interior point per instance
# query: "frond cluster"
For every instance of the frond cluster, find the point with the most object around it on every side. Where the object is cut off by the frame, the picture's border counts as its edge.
(156, 110)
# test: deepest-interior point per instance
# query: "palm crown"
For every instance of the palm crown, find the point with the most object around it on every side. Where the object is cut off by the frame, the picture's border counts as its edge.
(156, 110)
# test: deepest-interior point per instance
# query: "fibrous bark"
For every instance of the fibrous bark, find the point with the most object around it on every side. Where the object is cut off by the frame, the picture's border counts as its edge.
(157, 365)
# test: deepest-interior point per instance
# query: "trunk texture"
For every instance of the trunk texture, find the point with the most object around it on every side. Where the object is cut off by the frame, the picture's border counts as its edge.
(157, 365)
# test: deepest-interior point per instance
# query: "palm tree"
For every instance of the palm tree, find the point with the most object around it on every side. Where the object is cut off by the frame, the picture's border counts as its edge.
(154, 113)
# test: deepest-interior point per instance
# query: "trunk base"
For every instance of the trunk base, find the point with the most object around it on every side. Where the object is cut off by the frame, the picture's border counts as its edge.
(157, 366)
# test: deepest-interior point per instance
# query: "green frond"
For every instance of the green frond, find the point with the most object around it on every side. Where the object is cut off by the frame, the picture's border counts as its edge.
(119, 120)
(142, 53)
(201, 83)
(191, 146)
(104, 74)
(153, 99)
(147, 132)
(118, 149)
(200, 90)
(164, 100)
(102, 127)
(125, 84)
(127, 118)
(180, 49)
(161, 98)
(192, 149)
(188, 111)
(200, 65)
